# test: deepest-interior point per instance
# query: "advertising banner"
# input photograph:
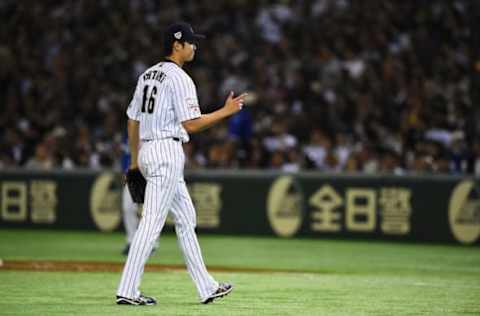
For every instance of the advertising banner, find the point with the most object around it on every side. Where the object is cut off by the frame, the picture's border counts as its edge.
(314, 205)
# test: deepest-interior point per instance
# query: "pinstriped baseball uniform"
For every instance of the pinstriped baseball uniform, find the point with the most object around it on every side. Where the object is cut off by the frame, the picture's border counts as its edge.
(164, 97)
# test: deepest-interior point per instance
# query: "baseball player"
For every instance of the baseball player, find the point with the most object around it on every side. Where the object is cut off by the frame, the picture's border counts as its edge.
(129, 207)
(163, 111)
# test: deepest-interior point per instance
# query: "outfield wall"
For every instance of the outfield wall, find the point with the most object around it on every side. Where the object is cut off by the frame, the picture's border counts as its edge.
(410, 208)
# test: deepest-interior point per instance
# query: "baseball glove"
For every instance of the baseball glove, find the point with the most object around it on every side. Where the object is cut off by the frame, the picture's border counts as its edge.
(136, 185)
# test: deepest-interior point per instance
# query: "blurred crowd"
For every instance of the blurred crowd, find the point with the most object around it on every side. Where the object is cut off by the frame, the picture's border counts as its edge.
(334, 85)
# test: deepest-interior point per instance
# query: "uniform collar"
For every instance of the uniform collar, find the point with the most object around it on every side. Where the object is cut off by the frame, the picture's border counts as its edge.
(165, 59)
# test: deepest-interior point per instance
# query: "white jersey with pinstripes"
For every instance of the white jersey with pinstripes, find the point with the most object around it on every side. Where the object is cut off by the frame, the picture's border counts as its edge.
(164, 97)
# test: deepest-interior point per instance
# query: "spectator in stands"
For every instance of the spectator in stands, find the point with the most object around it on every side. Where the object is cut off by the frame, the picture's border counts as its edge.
(42, 160)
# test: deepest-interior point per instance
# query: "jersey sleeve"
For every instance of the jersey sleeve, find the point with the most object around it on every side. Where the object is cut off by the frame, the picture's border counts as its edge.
(185, 100)
(133, 110)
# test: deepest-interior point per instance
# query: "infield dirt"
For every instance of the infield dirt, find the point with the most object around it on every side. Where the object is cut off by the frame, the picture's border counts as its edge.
(99, 266)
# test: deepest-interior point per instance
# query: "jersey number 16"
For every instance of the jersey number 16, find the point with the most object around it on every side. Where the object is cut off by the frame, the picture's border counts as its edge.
(151, 99)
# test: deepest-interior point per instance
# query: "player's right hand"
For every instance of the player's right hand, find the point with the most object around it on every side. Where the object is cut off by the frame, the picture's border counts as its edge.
(234, 104)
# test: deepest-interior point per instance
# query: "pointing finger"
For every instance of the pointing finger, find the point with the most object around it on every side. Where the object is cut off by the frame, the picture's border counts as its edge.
(242, 96)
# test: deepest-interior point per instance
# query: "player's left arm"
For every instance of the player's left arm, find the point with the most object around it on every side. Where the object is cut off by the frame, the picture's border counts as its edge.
(188, 110)
(232, 105)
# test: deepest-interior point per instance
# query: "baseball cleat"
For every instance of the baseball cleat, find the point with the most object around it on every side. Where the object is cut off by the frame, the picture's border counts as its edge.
(141, 300)
(223, 290)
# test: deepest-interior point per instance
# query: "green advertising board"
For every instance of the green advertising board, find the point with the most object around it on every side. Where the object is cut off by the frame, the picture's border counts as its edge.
(314, 205)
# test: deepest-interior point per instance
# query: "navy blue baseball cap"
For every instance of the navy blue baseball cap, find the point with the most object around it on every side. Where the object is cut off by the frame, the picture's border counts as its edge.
(182, 32)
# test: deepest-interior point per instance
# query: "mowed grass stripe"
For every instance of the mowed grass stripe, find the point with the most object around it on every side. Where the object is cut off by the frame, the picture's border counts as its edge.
(312, 255)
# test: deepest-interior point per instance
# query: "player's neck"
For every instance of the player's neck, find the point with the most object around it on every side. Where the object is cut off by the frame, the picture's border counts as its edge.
(175, 60)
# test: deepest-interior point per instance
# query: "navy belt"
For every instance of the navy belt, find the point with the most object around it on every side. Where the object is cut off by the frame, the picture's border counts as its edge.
(174, 138)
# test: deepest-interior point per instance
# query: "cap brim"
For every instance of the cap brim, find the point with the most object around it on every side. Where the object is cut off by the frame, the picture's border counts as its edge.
(199, 36)
(196, 39)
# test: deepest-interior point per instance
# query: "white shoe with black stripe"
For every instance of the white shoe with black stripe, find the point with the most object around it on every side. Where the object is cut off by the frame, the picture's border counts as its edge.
(141, 300)
(223, 290)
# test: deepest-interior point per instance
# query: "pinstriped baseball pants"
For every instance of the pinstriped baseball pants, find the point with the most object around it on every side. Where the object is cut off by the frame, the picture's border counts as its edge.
(162, 163)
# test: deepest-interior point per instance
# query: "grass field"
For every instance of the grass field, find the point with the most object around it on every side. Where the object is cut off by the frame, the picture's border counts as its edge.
(327, 277)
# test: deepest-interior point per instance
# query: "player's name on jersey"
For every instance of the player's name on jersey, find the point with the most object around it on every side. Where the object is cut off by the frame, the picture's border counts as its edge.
(154, 75)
